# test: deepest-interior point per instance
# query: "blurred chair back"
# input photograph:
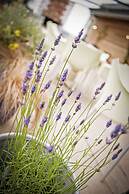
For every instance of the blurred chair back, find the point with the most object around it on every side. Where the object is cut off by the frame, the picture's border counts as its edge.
(85, 57)
(118, 80)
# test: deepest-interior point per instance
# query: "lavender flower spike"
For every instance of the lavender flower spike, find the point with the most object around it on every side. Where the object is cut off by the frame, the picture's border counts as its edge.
(27, 121)
(108, 140)
(97, 92)
(109, 123)
(42, 59)
(116, 131)
(52, 61)
(28, 75)
(114, 156)
(64, 75)
(58, 116)
(70, 93)
(78, 107)
(77, 39)
(118, 96)
(44, 120)
(42, 104)
(102, 85)
(107, 99)
(31, 66)
(123, 130)
(38, 76)
(67, 118)
(33, 89)
(78, 96)
(49, 147)
(48, 84)
(40, 46)
(60, 94)
(63, 102)
(56, 43)
(24, 88)
(44, 56)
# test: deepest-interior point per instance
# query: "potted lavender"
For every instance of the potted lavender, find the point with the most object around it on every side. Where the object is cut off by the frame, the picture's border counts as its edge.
(48, 161)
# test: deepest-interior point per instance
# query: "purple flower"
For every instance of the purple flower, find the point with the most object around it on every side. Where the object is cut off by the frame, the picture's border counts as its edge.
(77, 39)
(114, 156)
(64, 75)
(97, 91)
(116, 131)
(49, 147)
(60, 94)
(31, 66)
(48, 84)
(39, 64)
(58, 116)
(24, 88)
(33, 89)
(44, 56)
(123, 130)
(67, 118)
(27, 121)
(109, 123)
(78, 107)
(114, 134)
(57, 40)
(40, 46)
(102, 85)
(42, 104)
(63, 102)
(44, 120)
(28, 75)
(108, 140)
(118, 128)
(42, 59)
(107, 99)
(38, 76)
(78, 96)
(52, 60)
(70, 93)
(118, 96)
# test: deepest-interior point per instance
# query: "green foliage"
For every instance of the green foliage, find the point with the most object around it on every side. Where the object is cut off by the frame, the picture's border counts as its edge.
(18, 26)
(32, 170)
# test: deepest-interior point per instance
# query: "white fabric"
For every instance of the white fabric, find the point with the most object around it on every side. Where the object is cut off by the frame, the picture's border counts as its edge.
(120, 111)
(85, 57)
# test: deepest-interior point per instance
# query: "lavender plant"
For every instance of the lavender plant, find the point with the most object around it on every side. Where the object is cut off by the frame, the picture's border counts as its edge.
(46, 162)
